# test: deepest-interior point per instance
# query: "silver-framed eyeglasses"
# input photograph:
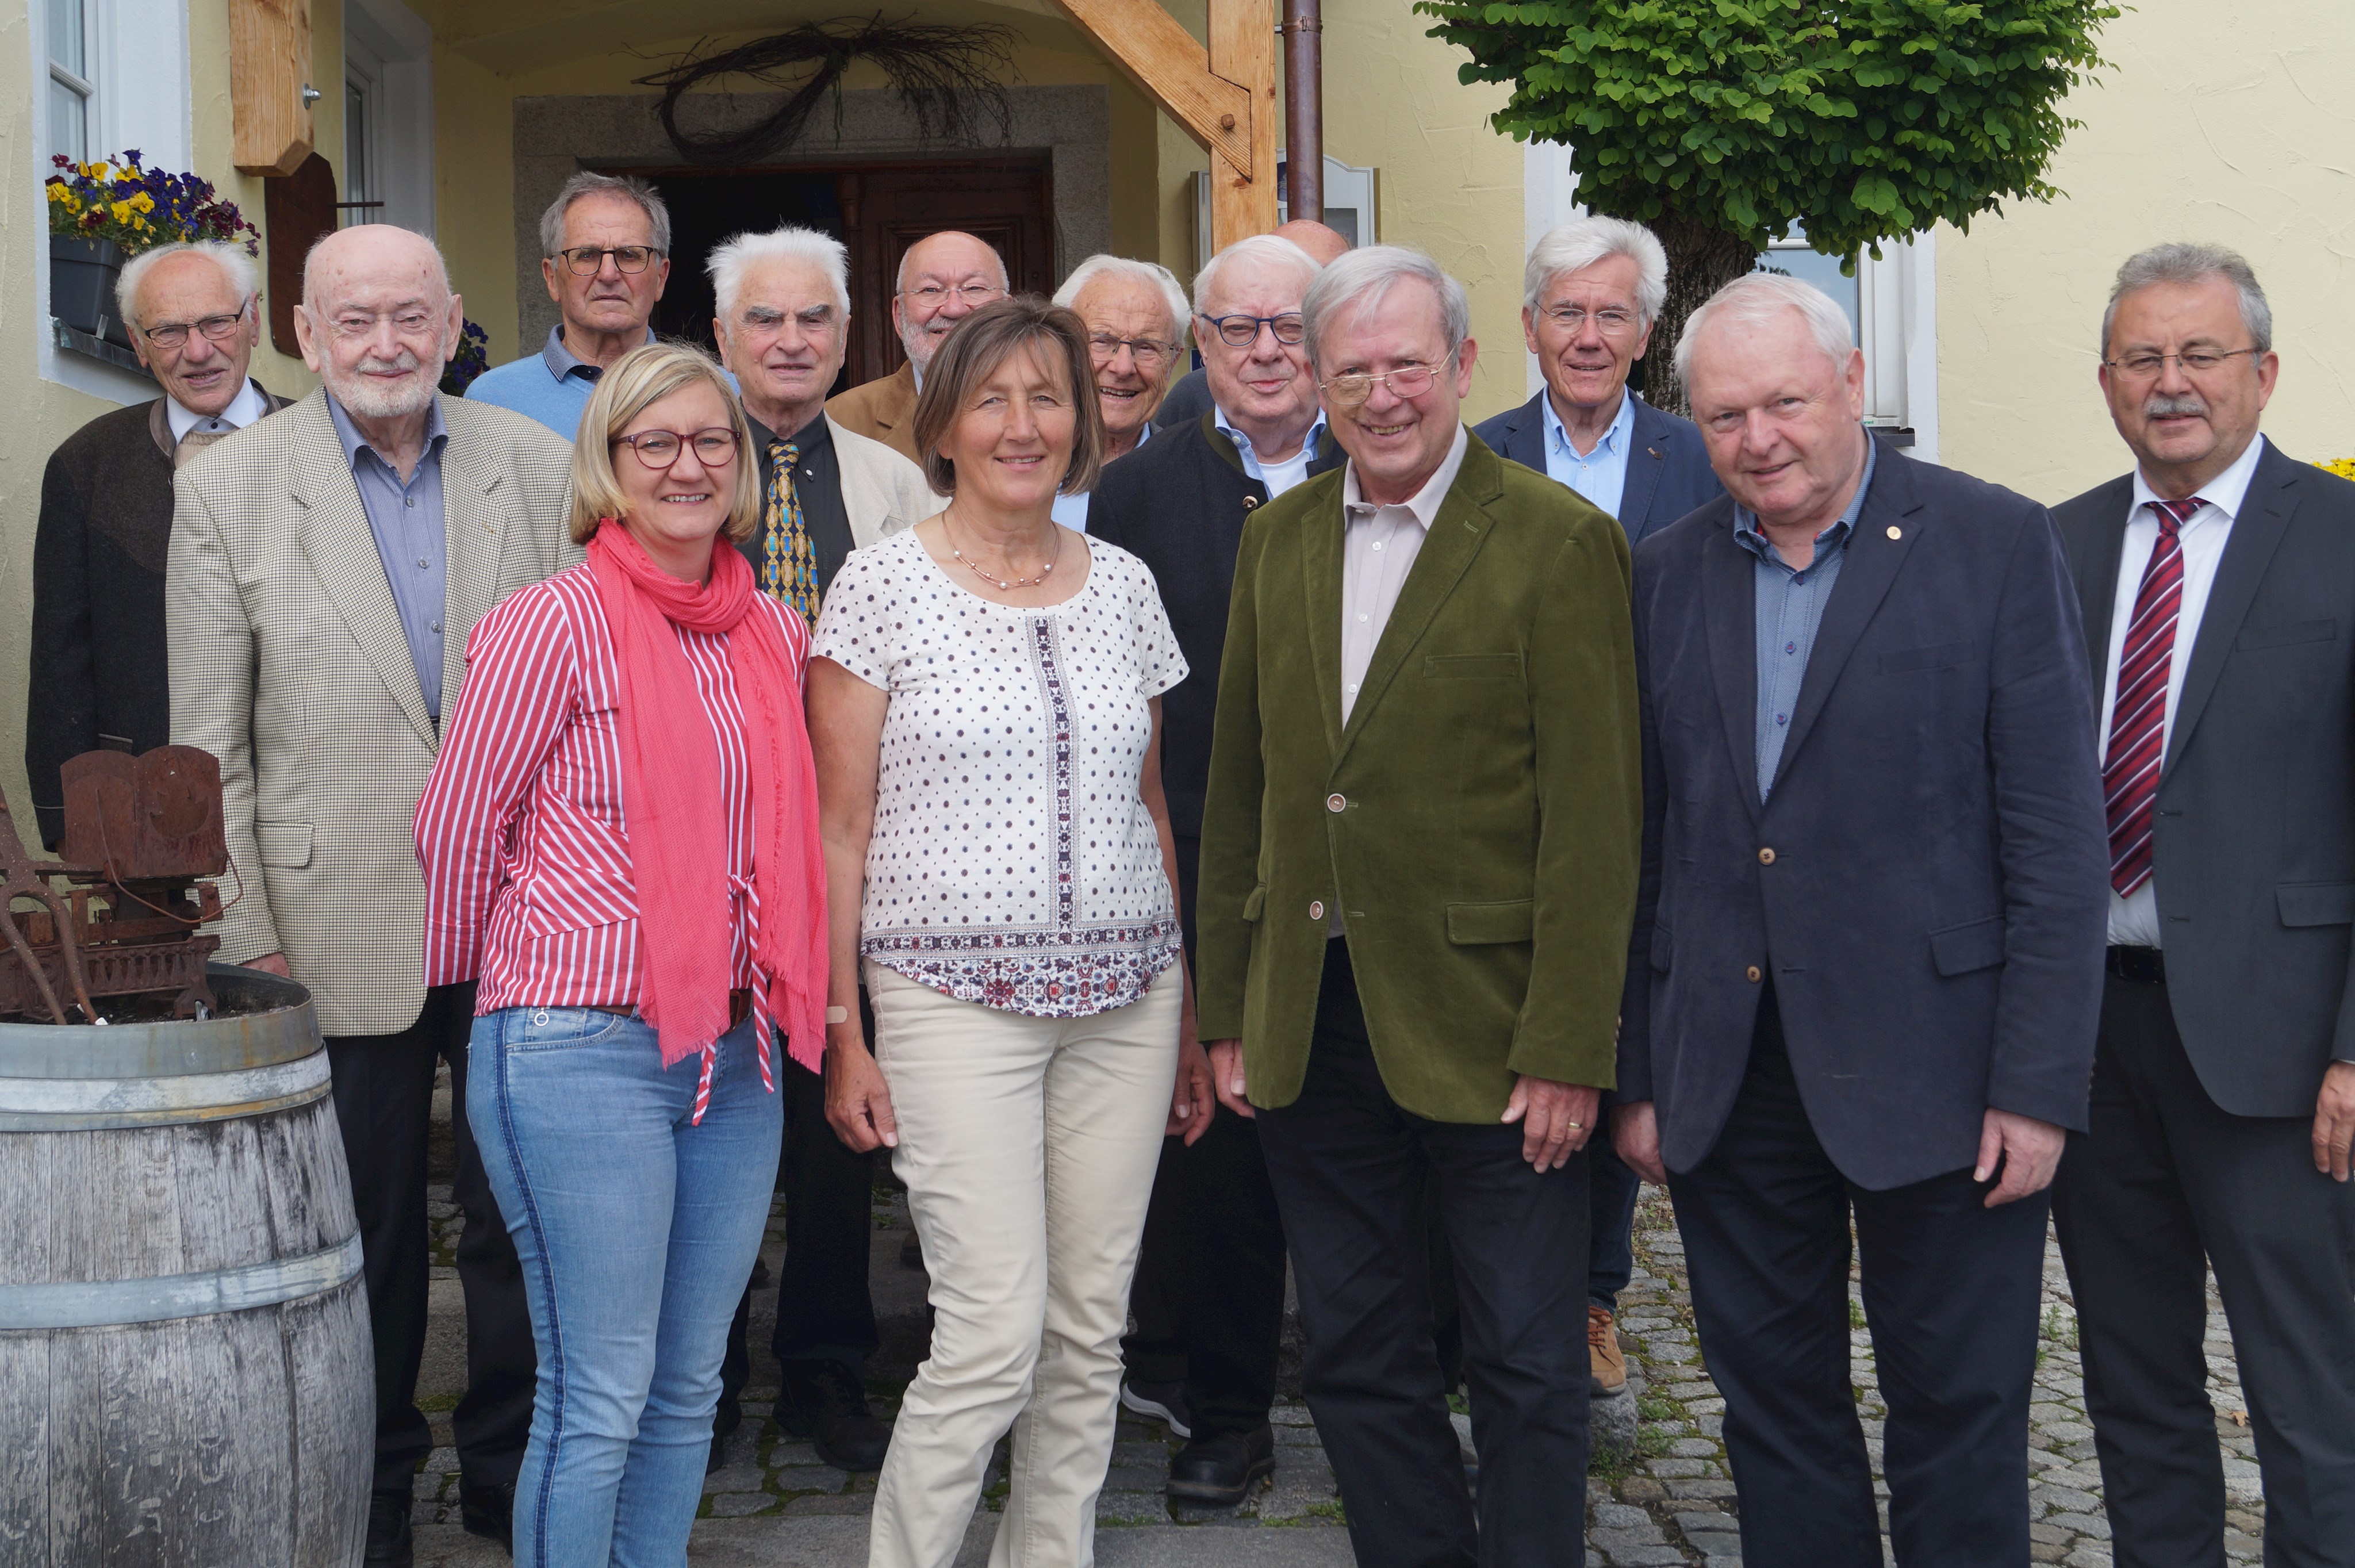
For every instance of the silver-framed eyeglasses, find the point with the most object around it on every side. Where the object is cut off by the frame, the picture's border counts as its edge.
(659, 449)
(1611, 321)
(1150, 353)
(173, 335)
(1242, 331)
(931, 296)
(588, 260)
(1352, 388)
(2195, 361)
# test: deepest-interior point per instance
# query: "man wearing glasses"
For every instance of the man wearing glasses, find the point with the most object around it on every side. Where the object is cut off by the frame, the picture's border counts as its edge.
(1135, 316)
(1208, 1298)
(2216, 580)
(605, 255)
(943, 277)
(1419, 867)
(98, 673)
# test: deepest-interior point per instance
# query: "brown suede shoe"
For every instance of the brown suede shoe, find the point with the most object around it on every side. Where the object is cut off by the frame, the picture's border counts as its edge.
(1606, 1366)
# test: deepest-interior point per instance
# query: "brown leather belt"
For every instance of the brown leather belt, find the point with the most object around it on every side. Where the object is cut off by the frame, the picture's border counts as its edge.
(740, 1007)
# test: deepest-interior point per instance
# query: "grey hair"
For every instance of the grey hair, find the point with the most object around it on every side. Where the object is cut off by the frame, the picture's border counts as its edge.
(1582, 242)
(2182, 262)
(234, 264)
(1254, 247)
(588, 183)
(1366, 275)
(1172, 294)
(730, 261)
(1755, 298)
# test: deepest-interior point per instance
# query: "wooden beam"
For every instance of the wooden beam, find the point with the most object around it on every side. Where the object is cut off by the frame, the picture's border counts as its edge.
(269, 67)
(1222, 96)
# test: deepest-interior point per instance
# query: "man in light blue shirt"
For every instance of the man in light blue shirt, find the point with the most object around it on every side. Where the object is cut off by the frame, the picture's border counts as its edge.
(404, 513)
(1599, 474)
(605, 256)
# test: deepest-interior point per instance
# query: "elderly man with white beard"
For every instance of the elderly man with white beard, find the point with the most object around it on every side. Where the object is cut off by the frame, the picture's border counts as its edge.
(325, 572)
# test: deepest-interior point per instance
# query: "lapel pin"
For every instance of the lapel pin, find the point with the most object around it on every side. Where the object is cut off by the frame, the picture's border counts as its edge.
(1653, 450)
(1895, 532)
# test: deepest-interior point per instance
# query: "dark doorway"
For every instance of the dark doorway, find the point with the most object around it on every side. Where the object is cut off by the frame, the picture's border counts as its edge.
(876, 209)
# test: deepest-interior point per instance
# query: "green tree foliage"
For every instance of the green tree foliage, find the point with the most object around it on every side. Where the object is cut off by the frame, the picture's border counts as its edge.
(1724, 122)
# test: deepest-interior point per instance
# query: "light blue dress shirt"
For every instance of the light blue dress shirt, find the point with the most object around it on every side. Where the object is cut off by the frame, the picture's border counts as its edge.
(1277, 477)
(407, 521)
(1071, 511)
(1790, 607)
(1602, 474)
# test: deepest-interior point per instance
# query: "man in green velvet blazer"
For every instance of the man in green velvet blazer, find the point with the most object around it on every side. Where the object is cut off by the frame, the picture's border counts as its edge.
(1419, 861)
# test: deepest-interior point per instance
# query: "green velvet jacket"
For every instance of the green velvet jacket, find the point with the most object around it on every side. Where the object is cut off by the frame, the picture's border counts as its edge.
(1478, 820)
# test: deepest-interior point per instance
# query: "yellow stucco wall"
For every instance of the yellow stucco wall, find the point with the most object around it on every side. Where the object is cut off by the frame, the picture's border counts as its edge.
(2239, 133)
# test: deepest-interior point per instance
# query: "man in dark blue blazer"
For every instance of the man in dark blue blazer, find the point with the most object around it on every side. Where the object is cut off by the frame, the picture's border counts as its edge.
(1867, 960)
(1591, 291)
(2218, 580)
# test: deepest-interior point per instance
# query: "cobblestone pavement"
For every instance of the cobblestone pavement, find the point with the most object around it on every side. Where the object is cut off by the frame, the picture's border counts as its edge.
(1668, 1501)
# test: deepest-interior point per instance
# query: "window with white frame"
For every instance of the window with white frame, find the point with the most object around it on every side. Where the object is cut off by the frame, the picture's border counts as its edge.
(71, 80)
(388, 163)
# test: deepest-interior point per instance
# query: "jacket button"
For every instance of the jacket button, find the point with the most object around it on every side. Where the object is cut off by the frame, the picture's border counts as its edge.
(1316, 909)
(1337, 803)
(1766, 857)
(1753, 974)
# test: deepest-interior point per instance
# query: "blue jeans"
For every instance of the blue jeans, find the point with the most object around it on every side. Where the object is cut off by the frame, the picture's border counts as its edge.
(637, 1233)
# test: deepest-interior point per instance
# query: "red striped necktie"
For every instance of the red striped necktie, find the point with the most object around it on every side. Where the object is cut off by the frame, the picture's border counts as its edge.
(2138, 723)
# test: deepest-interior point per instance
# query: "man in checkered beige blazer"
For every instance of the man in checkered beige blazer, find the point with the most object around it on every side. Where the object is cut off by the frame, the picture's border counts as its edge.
(325, 573)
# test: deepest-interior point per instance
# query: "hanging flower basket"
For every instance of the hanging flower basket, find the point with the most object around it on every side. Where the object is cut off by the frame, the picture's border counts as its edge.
(103, 214)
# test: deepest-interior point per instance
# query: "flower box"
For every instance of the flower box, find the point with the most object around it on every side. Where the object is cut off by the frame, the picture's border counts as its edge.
(81, 286)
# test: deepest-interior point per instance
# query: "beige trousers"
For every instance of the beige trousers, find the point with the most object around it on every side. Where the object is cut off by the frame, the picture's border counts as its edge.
(1028, 1148)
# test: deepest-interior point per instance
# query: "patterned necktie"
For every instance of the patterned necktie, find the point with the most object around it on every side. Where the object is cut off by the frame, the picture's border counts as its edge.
(788, 564)
(2138, 723)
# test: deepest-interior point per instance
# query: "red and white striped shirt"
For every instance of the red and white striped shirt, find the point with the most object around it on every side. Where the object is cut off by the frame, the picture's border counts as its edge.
(521, 832)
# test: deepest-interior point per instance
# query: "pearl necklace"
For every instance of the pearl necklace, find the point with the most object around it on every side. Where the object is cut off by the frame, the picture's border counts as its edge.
(1002, 584)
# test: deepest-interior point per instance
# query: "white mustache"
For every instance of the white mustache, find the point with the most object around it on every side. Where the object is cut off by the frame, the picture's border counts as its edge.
(2163, 407)
(372, 365)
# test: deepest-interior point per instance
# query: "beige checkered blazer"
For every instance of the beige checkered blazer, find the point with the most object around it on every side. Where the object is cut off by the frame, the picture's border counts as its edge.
(288, 664)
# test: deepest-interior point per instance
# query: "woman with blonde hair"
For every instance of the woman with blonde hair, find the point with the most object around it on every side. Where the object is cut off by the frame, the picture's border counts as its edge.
(986, 708)
(620, 841)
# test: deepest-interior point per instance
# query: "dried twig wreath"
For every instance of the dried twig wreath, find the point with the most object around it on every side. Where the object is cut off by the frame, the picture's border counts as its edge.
(951, 78)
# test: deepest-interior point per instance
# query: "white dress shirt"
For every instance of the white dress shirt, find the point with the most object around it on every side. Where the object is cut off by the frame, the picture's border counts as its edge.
(1378, 549)
(2134, 921)
(242, 410)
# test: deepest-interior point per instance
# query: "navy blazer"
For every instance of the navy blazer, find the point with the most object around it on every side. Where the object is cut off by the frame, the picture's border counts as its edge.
(2253, 841)
(1668, 467)
(1928, 884)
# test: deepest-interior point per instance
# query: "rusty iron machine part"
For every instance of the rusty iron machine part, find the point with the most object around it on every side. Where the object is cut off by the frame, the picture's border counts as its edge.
(120, 910)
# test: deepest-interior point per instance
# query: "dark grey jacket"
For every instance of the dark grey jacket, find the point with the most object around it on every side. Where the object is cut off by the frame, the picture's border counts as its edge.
(1668, 468)
(1927, 884)
(2253, 845)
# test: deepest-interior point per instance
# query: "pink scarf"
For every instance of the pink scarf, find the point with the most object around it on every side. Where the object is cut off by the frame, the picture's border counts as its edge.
(670, 787)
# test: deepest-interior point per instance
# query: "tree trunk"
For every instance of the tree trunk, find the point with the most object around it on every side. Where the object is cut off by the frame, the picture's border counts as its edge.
(1701, 260)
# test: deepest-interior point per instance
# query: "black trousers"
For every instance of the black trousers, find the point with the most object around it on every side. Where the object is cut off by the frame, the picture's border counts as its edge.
(2163, 1182)
(1349, 1167)
(1951, 1293)
(825, 1311)
(383, 1089)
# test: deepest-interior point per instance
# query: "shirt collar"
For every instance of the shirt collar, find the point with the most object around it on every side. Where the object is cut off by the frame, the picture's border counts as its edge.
(1615, 440)
(1424, 502)
(2225, 492)
(1226, 427)
(806, 439)
(242, 410)
(1745, 524)
(563, 362)
(437, 434)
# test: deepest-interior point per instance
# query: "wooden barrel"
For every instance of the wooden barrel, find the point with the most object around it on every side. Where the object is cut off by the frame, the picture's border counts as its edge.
(185, 1376)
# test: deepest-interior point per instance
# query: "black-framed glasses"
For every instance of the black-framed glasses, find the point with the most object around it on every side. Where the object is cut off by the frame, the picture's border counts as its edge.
(1242, 331)
(588, 260)
(1612, 321)
(2195, 361)
(1350, 389)
(659, 449)
(173, 335)
(1150, 353)
(931, 296)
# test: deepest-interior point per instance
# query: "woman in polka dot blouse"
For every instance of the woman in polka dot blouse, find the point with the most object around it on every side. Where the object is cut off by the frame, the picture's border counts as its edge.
(984, 702)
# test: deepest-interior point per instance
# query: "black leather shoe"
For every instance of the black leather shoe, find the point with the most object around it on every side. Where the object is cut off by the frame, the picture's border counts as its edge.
(388, 1535)
(725, 1419)
(1220, 1471)
(823, 1403)
(487, 1508)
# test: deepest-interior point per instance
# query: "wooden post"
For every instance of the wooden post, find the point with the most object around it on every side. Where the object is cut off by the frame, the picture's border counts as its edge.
(269, 70)
(1222, 96)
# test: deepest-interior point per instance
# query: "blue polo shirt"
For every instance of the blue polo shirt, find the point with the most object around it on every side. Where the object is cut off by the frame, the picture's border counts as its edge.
(552, 385)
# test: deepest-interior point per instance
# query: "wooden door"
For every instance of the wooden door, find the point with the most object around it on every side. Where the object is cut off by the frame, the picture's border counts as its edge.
(886, 209)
